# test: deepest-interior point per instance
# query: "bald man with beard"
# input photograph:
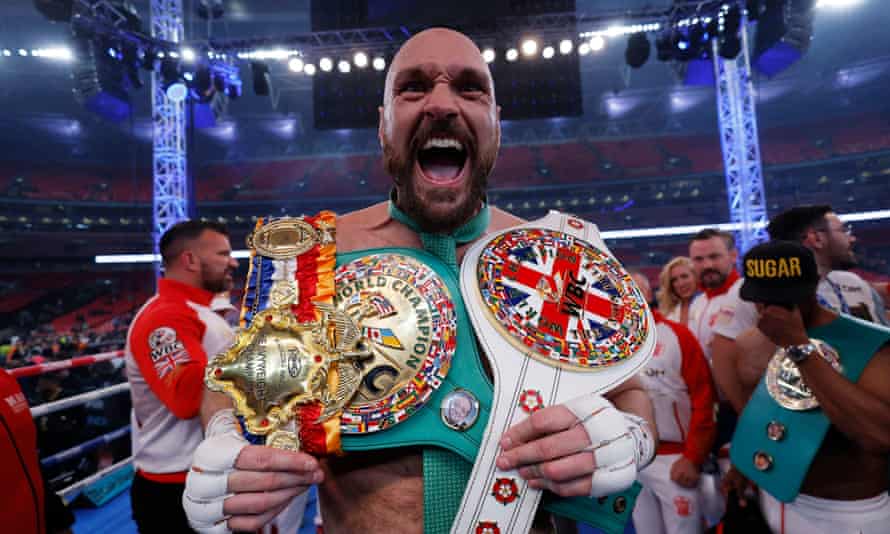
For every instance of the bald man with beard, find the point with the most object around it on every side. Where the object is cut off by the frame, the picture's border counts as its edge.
(440, 133)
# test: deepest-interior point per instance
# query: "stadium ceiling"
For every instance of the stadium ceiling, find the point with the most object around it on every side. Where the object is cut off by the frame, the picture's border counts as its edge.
(844, 72)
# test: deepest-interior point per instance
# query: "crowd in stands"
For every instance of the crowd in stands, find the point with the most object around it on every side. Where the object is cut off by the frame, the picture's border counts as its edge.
(524, 166)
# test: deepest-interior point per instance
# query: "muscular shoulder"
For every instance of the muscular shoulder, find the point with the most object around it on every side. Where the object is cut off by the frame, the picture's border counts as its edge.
(372, 227)
(501, 220)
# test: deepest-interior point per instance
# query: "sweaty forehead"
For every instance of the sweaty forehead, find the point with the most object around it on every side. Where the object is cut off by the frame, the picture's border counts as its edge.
(438, 49)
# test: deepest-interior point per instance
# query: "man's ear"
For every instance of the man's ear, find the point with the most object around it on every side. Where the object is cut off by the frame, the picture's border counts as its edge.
(812, 239)
(498, 123)
(381, 136)
(190, 260)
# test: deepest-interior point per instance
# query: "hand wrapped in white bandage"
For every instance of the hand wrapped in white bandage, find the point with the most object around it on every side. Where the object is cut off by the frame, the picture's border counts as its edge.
(233, 485)
(583, 447)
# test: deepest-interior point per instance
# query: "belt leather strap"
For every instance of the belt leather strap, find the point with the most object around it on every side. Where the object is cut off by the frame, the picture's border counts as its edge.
(501, 501)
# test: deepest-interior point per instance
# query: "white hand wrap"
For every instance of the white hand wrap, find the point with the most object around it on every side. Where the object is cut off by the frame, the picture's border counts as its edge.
(621, 443)
(206, 486)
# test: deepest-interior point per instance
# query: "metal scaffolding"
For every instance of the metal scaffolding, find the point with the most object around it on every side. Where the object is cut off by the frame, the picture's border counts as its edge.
(737, 117)
(171, 199)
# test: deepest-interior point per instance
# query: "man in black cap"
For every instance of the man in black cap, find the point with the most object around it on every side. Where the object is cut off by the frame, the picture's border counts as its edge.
(831, 240)
(815, 435)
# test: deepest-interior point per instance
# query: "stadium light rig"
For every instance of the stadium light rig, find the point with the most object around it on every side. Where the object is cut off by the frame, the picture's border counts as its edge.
(529, 47)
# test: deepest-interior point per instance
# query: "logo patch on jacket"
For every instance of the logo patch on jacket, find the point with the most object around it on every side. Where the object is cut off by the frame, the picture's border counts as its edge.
(683, 506)
(166, 350)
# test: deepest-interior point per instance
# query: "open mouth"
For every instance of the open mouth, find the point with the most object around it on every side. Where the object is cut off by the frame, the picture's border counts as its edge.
(442, 160)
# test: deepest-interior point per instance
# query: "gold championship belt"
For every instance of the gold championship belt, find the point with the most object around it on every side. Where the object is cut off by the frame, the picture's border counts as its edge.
(320, 353)
(785, 384)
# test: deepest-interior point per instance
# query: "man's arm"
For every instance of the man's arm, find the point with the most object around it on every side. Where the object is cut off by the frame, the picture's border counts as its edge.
(860, 410)
(754, 351)
(212, 403)
(631, 397)
(174, 367)
(724, 359)
(702, 396)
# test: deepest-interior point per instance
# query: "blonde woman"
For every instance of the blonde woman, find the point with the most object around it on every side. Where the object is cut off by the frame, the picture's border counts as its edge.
(676, 288)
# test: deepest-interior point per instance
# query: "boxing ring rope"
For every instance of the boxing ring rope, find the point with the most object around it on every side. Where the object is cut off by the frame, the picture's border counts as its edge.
(76, 400)
(80, 361)
(74, 489)
(84, 447)
(71, 491)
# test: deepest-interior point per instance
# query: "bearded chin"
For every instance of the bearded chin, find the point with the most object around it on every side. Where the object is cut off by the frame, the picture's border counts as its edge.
(416, 207)
(213, 285)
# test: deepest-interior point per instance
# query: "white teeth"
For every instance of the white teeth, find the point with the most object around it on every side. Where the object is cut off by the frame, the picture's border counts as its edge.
(443, 143)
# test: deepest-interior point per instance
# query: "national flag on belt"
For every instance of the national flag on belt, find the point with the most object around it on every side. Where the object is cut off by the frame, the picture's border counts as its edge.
(381, 305)
(383, 336)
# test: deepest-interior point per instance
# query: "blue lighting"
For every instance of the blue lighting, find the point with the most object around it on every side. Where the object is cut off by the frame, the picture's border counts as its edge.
(188, 76)
(177, 92)
(682, 45)
(112, 52)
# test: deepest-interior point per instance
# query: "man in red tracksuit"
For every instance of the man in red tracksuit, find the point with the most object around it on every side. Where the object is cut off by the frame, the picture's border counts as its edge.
(28, 506)
(169, 342)
(678, 380)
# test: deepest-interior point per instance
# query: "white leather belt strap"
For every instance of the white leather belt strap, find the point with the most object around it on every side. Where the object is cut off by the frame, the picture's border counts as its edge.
(501, 501)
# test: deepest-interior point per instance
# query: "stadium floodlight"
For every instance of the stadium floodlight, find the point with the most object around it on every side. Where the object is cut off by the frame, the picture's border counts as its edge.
(360, 59)
(584, 49)
(488, 55)
(837, 3)
(61, 52)
(512, 54)
(177, 92)
(344, 66)
(188, 55)
(309, 69)
(597, 43)
(529, 47)
(565, 46)
(295, 64)
(548, 52)
(379, 63)
(23, 52)
(326, 64)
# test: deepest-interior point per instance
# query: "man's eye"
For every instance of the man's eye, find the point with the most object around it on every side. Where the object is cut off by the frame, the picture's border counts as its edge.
(471, 87)
(412, 87)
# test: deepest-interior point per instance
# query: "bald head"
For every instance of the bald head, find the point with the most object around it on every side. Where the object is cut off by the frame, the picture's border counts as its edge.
(438, 88)
(435, 45)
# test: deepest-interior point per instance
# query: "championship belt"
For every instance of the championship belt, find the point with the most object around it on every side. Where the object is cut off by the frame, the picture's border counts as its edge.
(323, 354)
(294, 363)
(377, 354)
(558, 317)
(782, 427)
